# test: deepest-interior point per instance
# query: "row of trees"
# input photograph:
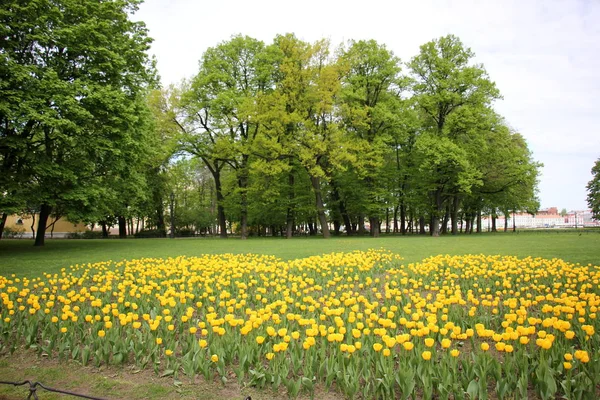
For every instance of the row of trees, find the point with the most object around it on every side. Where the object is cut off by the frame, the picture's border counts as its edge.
(285, 137)
(296, 135)
(76, 133)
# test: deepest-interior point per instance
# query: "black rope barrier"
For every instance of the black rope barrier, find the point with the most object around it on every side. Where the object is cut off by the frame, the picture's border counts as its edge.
(33, 386)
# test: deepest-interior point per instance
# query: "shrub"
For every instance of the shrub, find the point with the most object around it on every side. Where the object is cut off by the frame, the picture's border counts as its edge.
(13, 233)
(91, 235)
(185, 232)
(151, 233)
(74, 235)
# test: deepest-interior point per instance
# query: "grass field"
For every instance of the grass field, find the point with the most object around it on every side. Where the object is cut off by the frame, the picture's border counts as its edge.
(20, 257)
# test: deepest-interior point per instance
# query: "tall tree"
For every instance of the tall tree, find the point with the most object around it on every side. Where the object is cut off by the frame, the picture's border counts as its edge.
(593, 188)
(222, 107)
(445, 82)
(71, 75)
(371, 88)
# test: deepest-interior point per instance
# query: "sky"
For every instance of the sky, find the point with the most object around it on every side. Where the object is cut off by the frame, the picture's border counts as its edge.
(543, 55)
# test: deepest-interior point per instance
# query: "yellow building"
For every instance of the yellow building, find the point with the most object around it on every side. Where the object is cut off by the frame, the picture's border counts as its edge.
(21, 225)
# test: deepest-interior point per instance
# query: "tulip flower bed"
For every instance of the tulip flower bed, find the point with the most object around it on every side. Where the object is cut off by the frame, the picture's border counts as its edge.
(360, 323)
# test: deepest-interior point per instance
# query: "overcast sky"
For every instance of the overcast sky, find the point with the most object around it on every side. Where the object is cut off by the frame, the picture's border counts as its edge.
(544, 56)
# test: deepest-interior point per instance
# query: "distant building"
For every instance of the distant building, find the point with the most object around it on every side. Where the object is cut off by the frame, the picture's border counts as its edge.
(21, 226)
(545, 218)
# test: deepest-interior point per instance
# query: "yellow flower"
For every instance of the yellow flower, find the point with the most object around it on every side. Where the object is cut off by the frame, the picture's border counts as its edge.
(426, 355)
(569, 335)
(270, 356)
(485, 346)
(386, 352)
(63, 329)
(567, 365)
(454, 353)
(159, 341)
(446, 343)
(260, 339)
(509, 348)
(523, 340)
(568, 356)
(429, 342)
(168, 352)
(377, 346)
(214, 358)
(408, 345)
(101, 333)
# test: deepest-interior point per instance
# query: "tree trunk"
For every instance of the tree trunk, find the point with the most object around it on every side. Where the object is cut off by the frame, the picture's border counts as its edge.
(243, 185)
(160, 219)
(374, 222)
(514, 223)
(347, 222)
(455, 203)
(104, 229)
(122, 227)
(403, 218)
(506, 221)
(422, 225)
(289, 231)
(220, 207)
(435, 217)
(41, 231)
(336, 226)
(32, 227)
(445, 220)
(494, 218)
(395, 217)
(335, 194)
(479, 221)
(312, 229)
(387, 220)
(316, 184)
(3, 223)
(361, 224)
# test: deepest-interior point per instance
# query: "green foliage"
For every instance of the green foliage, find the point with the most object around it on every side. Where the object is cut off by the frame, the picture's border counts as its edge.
(73, 76)
(593, 187)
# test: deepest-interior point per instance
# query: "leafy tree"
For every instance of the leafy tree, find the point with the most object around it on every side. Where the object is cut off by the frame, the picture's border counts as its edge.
(371, 88)
(593, 187)
(445, 83)
(221, 111)
(71, 76)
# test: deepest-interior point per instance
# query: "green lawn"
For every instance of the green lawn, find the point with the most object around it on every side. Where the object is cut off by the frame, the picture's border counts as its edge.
(21, 258)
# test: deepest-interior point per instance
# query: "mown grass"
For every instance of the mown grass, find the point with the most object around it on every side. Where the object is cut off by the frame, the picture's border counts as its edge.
(21, 258)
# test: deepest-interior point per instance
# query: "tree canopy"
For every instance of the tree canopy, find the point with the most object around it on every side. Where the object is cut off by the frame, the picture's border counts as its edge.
(73, 77)
(593, 188)
(282, 138)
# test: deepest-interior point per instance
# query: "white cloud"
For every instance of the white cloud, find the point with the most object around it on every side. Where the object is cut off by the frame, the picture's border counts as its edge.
(544, 55)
